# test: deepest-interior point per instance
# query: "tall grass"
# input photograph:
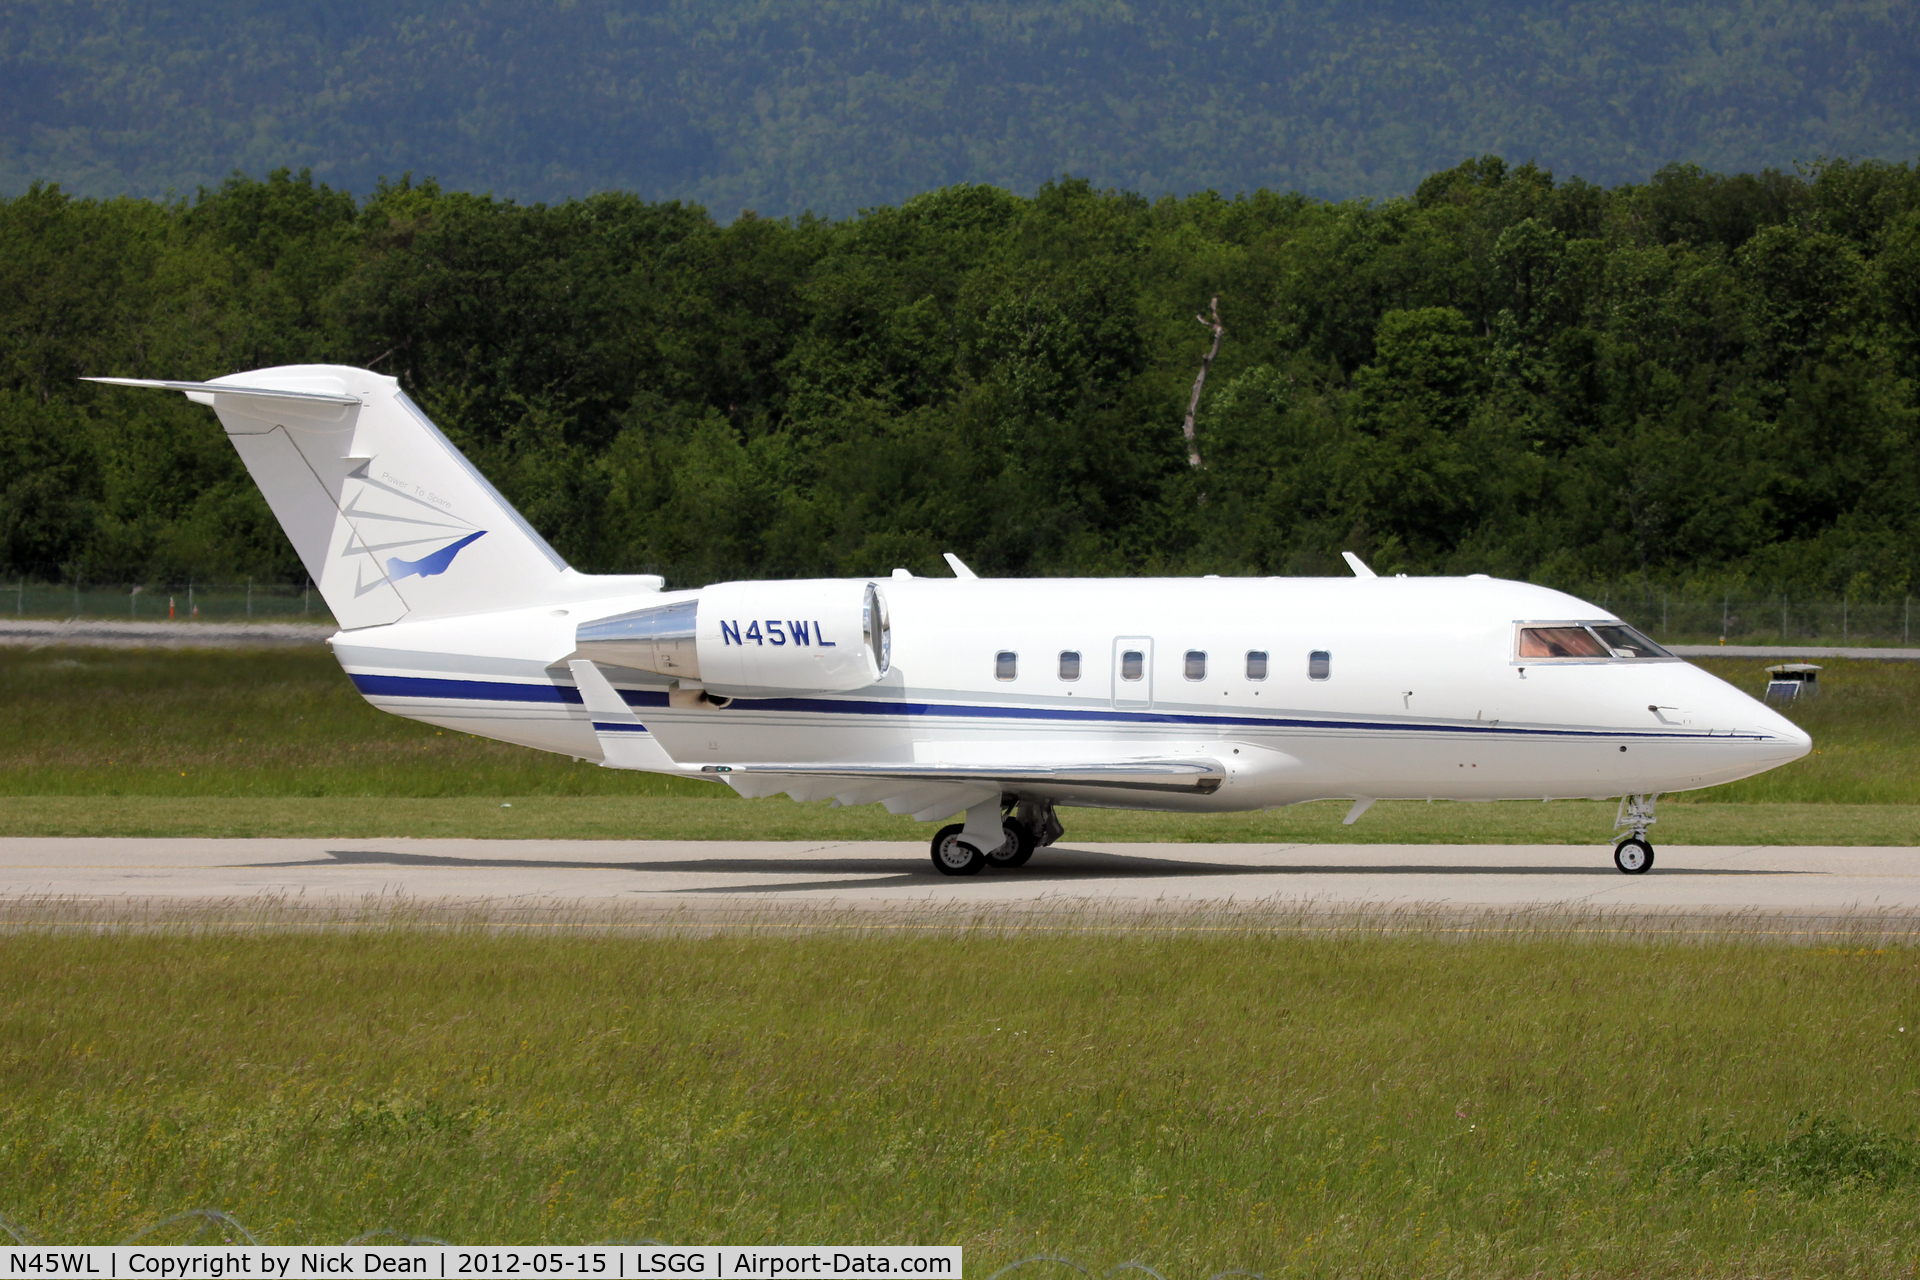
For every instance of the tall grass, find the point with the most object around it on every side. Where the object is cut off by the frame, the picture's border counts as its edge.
(1866, 735)
(1359, 1103)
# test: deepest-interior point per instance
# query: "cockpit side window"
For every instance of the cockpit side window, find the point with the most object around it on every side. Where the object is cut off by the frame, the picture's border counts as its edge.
(1560, 642)
(1596, 641)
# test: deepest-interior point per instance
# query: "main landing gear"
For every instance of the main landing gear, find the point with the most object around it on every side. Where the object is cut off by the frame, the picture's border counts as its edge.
(1030, 825)
(1633, 855)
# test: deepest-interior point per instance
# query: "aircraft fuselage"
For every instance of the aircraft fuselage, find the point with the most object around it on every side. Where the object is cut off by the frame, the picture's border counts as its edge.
(1302, 688)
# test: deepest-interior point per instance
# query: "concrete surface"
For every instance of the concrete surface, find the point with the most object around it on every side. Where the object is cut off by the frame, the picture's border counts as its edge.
(1790, 652)
(697, 876)
(104, 633)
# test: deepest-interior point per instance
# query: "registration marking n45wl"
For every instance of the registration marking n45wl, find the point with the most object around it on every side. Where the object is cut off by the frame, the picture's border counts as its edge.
(804, 634)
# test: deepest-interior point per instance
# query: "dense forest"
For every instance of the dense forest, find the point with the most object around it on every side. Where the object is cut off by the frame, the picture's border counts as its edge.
(1698, 379)
(836, 105)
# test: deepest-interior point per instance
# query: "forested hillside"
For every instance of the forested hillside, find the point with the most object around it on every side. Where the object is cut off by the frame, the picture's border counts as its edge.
(1703, 377)
(834, 105)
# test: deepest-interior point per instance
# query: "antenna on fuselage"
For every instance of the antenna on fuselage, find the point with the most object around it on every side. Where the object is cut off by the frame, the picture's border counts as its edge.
(1358, 566)
(960, 570)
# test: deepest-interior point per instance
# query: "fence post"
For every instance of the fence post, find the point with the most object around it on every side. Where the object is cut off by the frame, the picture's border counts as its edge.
(249, 596)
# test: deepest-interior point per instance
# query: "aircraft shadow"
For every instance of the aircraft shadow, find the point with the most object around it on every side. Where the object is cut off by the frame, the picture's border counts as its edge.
(1086, 866)
(1050, 866)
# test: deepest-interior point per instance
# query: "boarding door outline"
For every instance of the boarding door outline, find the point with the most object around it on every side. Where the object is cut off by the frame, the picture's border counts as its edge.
(1136, 694)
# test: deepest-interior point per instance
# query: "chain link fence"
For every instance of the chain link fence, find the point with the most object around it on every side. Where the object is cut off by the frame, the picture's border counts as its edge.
(24, 595)
(1782, 617)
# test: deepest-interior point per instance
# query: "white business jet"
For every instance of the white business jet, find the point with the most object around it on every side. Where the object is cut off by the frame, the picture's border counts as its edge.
(999, 699)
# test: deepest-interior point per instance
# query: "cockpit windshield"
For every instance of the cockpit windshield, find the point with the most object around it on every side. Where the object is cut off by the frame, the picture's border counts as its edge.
(1626, 642)
(1591, 641)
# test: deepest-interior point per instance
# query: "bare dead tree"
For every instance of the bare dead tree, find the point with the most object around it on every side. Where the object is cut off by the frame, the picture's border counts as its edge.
(1193, 405)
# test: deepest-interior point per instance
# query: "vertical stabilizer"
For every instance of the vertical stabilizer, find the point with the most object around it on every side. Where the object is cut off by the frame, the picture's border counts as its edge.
(389, 518)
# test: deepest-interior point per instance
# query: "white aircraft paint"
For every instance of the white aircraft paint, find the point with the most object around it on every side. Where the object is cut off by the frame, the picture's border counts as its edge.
(934, 696)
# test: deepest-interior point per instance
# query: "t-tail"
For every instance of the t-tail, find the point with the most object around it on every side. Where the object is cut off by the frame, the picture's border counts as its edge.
(390, 520)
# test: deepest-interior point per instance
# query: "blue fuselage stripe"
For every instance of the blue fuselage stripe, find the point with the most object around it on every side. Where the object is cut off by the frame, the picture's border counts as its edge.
(500, 691)
(373, 686)
(466, 690)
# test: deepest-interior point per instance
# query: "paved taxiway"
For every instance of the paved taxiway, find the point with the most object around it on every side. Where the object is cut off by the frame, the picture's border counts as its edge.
(782, 876)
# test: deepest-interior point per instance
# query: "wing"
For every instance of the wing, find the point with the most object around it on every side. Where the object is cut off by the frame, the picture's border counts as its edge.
(929, 791)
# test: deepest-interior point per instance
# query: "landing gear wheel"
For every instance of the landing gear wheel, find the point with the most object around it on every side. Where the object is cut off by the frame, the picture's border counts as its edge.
(1017, 849)
(953, 856)
(1633, 856)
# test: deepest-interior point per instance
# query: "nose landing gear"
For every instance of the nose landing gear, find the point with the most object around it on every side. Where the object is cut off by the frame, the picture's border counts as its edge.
(1634, 855)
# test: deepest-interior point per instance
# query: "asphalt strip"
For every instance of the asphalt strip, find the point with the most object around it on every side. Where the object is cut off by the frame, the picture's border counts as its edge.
(107, 879)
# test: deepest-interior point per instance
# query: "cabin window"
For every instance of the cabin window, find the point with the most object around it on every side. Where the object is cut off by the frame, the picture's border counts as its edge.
(1069, 664)
(1319, 664)
(1006, 664)
(1256, 664)
(1196, 668)
(1133, 664)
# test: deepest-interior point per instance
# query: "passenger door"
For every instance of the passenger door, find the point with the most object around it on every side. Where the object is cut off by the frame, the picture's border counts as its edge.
(1133, 672)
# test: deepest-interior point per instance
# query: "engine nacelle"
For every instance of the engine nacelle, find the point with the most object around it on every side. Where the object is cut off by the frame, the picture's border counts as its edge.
(740, 639)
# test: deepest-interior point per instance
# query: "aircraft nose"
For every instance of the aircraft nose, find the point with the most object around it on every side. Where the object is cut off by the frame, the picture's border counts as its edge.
(1798, 740)
(1789, 739)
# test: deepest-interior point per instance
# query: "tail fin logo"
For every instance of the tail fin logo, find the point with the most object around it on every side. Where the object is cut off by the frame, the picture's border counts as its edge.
(429, 565)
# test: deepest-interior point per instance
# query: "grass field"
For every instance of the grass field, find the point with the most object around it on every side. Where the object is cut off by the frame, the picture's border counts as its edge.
(1200, 1095)
(118, 742)
(1295, 1106)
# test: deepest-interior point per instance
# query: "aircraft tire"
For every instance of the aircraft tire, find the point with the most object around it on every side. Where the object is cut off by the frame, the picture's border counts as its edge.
(1017, 849)
(953, 856)
(1633, 856)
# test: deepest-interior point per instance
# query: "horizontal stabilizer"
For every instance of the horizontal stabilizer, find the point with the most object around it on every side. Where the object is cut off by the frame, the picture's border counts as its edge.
(225, 389)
